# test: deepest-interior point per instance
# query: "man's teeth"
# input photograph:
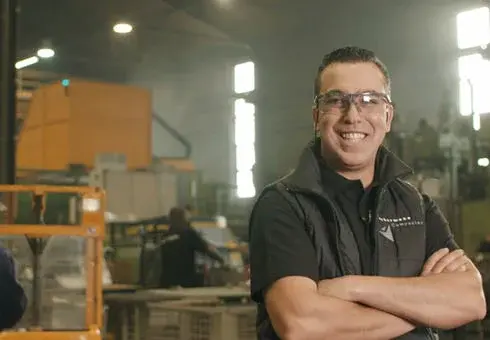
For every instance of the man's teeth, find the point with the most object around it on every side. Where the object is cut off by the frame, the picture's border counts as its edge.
(354, 136)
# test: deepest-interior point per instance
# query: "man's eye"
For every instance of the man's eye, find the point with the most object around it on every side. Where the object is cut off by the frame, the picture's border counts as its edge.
(333, 101)
(369, 99)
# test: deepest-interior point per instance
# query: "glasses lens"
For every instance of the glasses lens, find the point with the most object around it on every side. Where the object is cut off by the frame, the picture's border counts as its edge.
(370, 102)
(365, 102)
(331, 102)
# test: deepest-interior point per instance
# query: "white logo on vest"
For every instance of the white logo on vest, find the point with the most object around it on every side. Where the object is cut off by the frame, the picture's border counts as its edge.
(387, 224)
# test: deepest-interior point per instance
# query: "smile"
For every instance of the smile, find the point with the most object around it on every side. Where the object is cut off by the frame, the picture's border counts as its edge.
(353, 136)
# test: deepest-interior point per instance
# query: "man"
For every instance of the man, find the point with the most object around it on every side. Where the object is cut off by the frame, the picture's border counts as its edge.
(13, 300)
(178, 252)
(189, 211)
(343, 248)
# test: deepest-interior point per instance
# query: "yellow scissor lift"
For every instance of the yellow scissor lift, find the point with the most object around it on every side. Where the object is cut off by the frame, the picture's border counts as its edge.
(90, 229)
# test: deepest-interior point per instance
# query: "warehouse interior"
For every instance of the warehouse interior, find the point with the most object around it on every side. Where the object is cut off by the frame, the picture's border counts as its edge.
(114, 112)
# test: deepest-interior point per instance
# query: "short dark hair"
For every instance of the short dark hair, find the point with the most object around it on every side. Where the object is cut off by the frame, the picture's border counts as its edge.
(350, 54)
(177, 218)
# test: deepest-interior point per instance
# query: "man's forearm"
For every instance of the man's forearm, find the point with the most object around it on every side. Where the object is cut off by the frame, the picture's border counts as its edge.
(343, 320)
(446, 300)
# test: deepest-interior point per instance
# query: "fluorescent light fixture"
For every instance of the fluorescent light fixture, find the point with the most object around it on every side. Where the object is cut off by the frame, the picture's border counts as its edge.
(45, 53)
(122, 28)
(26, 62)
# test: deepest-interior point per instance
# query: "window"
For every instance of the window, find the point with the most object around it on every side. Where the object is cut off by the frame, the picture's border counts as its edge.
(473, 95)
(474, 75)
(244, 77)
(245, 157)
(244, 114)
(473, 28)
(244, 122)
(245, 184)
(468, 65)
(245, 148)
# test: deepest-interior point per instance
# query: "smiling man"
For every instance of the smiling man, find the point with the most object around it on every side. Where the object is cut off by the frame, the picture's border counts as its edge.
(343, 247)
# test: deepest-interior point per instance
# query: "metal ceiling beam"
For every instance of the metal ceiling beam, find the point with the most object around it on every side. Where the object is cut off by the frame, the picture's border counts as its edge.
(195, 9)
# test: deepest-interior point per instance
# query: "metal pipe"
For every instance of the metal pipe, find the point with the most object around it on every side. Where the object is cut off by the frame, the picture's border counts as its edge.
(473, 136)
(175, 134)
(8, 15)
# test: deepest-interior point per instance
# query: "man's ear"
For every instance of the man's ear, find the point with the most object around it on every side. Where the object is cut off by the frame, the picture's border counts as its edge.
(315, 113)
(390, 113)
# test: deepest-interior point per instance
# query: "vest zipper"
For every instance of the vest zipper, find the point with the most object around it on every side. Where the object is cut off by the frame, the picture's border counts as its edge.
(430, 333)
(375, 231)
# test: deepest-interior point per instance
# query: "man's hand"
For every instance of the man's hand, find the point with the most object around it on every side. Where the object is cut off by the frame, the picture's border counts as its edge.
(444, 261)
(339, 288)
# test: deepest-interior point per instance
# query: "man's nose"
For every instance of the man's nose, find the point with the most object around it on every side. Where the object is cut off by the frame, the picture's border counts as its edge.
(352, 114)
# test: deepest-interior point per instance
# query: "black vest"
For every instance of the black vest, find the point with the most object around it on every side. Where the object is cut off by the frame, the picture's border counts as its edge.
(398, 223)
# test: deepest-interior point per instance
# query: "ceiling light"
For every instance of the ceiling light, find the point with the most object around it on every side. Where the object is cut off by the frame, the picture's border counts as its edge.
(26, 62)
(45, 53)
(122, 28)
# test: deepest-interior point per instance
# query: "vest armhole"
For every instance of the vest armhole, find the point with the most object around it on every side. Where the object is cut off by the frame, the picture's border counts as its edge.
(419, 195)
(295, 204)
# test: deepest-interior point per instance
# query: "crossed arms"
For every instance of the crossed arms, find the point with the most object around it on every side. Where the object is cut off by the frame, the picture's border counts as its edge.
(284, 275)
(447, 295)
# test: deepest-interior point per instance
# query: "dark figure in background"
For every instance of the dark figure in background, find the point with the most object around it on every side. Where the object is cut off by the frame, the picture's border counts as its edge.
(344, 248)
(189, 212)
(484, 246)
(178, 252)
(13, 300)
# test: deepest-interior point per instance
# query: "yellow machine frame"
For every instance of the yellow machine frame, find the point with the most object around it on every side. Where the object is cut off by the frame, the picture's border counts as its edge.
(92, 227)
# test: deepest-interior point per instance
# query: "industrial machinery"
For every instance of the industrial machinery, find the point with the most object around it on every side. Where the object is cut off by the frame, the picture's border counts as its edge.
(78, 132)
(59, 266)
(134, 244)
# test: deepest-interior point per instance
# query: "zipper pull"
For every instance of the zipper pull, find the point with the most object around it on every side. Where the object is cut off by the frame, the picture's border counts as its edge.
(367, 219)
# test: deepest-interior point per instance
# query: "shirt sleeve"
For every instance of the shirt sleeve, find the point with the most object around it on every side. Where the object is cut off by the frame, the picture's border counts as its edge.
(439, 234)
(199, 243)
(279, 244)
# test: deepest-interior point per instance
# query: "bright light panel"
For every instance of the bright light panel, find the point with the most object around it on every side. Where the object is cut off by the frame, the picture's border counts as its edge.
(245, 184)
(484, 162)
(469, 66)
(473, 28)
(244, 147)
(244, 122)
(244, 77)
(26, 62)
(476, 122)
(245, 157)
(474, 73)
(45, 53)
(122, 28)
(481, 100)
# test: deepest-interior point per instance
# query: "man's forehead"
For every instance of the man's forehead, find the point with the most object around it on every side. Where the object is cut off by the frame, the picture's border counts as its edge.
(352, 77)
